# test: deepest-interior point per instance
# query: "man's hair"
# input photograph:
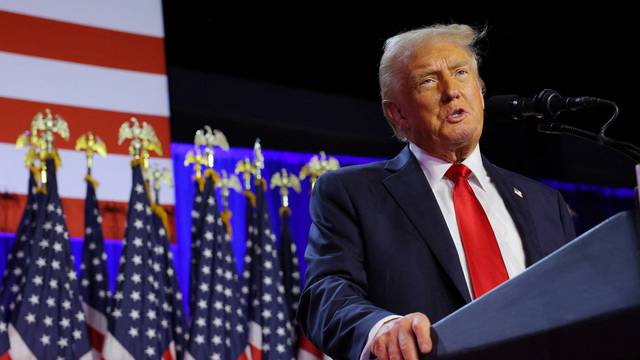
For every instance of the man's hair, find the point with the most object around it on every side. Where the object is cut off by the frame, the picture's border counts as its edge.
(399, 48)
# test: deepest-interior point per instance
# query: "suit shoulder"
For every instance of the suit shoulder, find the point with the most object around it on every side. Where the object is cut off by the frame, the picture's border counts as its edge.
(526, 182)
(356, 173)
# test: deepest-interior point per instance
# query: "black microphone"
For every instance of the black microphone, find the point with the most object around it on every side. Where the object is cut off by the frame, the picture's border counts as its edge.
(548, 104)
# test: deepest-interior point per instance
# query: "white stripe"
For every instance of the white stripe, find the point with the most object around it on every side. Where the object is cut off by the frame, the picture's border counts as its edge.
(96, 319)
(305, 355)
(113, 173)
(255, 335)
(18, 349)
(62, 82)
(113, 350)
(142, 17)
(95, 355)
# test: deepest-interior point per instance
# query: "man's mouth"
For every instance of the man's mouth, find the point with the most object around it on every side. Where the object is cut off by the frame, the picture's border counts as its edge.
(456, 115)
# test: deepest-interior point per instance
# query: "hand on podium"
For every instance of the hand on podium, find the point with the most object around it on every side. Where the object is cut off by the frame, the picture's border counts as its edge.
(401, 338)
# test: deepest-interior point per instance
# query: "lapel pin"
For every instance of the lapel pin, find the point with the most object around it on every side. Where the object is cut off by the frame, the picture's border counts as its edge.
(518, 192)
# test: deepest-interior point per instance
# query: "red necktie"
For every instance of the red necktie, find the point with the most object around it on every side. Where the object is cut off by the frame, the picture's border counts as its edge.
(484, 260)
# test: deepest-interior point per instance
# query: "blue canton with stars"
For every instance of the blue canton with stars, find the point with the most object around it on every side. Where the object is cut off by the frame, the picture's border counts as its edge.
(218, 327)
(95, 290)
(19, 257)
(140, 318)
(268, 312)
(173, 302)
(48, 313)
(290, 272)
(196, 231)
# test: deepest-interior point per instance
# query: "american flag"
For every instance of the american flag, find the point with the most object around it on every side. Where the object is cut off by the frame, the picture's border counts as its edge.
(19, 256)
(218, 326)
(269, 325)
(196, 231)
(140, 320)
(94, 288)
(173, 300)
(290, 269)
(47, 321)
(291, 279)
(4, 341)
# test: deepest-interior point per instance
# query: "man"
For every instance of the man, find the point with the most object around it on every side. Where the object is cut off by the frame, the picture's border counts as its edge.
(399, 244)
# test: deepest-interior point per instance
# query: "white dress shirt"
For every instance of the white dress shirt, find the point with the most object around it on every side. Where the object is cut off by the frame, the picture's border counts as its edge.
(504, 228)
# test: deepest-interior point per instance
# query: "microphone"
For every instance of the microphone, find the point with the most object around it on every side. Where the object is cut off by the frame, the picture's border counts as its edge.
(548, 104)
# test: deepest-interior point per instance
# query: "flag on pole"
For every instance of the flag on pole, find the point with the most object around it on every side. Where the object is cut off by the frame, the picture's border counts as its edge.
(140, 320)
(268, 315)
(218, 326)
(173, 300)
(196, 228)
(47, 320)
(194, 157)
(94, 288)
(20, 253)
(287, 252)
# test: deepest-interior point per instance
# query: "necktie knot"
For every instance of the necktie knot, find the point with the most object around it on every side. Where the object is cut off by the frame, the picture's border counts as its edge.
(457, 172)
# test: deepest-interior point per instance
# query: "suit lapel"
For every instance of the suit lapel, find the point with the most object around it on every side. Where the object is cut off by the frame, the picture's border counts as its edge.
(516, 202)
(412, 192)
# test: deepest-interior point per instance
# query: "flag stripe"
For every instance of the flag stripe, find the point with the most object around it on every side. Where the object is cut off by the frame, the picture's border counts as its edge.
(114, 214)
(89, 86)
(142, 17)
(96, 338)
(18, 350)
(107, 170)
(168, 355)
(16, 117)
(113, 349)
(82, 44)
(96, 323)
(307, 346)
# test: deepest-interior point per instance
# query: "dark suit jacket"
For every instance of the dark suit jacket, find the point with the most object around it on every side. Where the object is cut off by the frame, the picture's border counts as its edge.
(379, 245)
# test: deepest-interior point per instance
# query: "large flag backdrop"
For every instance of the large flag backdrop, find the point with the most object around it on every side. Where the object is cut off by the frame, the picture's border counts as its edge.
(96, 64)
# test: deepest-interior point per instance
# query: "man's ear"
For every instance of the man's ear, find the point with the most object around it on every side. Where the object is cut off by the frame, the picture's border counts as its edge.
(394, 114)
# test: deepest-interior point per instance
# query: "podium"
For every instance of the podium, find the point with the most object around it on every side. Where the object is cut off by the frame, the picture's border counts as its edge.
(580, 302)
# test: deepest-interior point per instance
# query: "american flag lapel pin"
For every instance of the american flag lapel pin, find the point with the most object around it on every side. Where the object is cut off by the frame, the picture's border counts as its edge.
(518, 192)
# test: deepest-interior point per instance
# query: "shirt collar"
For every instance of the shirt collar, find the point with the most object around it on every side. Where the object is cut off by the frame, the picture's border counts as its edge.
(435, 168)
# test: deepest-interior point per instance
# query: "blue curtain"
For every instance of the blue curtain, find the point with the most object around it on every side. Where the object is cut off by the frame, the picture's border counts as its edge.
(591, 204)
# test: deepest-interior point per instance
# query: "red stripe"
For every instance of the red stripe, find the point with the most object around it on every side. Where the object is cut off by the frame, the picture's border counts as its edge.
(308, 346)
(96, 338)
(256, 353)
(167, 355)
(80, 43)
(5, 356)
(16, 116)
(114, 216)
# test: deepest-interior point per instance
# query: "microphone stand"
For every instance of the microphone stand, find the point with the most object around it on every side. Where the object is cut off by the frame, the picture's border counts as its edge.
(625, 148)
(629, 150)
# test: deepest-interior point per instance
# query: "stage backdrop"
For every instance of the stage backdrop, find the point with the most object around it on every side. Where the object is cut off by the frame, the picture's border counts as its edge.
(96, 64)
(591, 205)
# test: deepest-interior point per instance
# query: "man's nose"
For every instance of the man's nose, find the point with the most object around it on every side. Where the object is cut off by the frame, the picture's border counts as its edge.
(450, 89)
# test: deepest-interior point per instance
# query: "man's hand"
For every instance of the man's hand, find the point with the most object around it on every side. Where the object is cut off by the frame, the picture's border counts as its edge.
(396, 340)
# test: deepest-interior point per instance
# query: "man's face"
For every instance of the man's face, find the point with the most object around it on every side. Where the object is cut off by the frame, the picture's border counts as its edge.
(439, 105)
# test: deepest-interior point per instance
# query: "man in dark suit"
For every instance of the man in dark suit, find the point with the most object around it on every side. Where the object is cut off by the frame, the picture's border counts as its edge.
(399, 244)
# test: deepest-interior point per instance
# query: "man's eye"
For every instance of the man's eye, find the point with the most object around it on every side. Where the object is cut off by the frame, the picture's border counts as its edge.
(427, 81)
(461, 72)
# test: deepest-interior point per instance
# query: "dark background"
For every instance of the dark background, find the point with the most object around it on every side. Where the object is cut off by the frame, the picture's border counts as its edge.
(306, 79)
